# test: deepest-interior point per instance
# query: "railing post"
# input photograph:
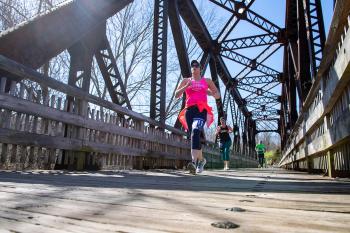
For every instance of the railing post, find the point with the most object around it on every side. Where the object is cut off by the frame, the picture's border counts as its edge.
(330, 163)
(309, 164)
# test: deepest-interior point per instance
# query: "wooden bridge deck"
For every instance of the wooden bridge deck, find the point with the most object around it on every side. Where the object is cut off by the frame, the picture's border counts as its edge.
(258, 200)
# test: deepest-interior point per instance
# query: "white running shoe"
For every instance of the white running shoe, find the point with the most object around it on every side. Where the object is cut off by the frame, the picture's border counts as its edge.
(201, 165)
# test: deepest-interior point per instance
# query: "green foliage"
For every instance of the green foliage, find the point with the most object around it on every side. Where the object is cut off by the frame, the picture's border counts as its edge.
(272, 156)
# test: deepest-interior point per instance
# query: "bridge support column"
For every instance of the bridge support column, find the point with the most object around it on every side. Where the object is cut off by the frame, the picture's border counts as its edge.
(81, 54)
(309, 164)
(330, 163)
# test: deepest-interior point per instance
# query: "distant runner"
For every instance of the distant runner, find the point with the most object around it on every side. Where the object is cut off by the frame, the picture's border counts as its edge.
(223, 131)
(260, 150)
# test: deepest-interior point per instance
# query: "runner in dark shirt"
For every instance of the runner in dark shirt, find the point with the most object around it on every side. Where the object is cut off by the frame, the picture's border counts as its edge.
(223, 131)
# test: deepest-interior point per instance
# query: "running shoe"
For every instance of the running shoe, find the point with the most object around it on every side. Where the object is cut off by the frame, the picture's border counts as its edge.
(192, 168)
(201, 165)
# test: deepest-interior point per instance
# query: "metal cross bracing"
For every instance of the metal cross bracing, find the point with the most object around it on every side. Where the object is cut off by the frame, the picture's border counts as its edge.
(242, 127)
(264, 110)
(263, 100)
(233, 20)
(274, 36)
(260, 58)
(256, 91)
(260, 79)
(267, 115)
(252, 63)
(249, 42)
(110, 73)
(264, 106)
(265, 126)
(227, 99)
(240, 10)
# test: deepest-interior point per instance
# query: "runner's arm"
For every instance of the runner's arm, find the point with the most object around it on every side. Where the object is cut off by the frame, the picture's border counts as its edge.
(217, 130)
(182, 87)
(212, 88)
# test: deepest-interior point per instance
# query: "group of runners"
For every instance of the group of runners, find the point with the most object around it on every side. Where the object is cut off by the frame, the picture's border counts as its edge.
(198, 113)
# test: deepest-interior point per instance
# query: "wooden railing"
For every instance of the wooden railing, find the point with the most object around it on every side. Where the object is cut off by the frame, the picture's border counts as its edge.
(320, 139)
(47, 131)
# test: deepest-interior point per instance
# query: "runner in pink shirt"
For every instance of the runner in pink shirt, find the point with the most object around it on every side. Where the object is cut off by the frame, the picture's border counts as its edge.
(197, 112)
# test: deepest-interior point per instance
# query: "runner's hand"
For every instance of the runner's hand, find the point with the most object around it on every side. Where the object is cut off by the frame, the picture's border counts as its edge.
(189, 83)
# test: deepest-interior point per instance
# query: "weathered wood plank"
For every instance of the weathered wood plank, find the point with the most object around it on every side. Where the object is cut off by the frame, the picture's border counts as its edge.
(339, 20)
(157, 201)
(31, 108)
(30, 139)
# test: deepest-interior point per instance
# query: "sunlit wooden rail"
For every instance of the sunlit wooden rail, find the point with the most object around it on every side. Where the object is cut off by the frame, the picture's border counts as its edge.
(39, 131)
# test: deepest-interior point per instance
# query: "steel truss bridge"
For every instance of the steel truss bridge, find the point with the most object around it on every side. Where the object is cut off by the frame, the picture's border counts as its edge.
(39, 129)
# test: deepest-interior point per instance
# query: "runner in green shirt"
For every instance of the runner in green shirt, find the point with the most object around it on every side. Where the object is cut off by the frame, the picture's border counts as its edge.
(260, 150)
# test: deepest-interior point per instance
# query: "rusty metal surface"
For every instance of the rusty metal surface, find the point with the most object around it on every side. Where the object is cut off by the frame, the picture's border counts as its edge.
(34, 42)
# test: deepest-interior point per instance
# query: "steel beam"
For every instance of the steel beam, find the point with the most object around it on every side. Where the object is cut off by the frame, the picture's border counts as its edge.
(263, 100)
(176, 27)
(47, 35)
(262, 22)
(293, 52)
(214, 77)
(258, 91)
(303, 73)
(260, 58)
(180, 45)
(79, 70)
(81, 54)
(110, 73)
(159, 60)
(267, 131)
(204, 62)
(291, 90)
(232, 22)
(248, 15)
(251, 63)
(315, 32)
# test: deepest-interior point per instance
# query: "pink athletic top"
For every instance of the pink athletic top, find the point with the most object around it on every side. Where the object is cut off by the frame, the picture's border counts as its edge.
(197, 92)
